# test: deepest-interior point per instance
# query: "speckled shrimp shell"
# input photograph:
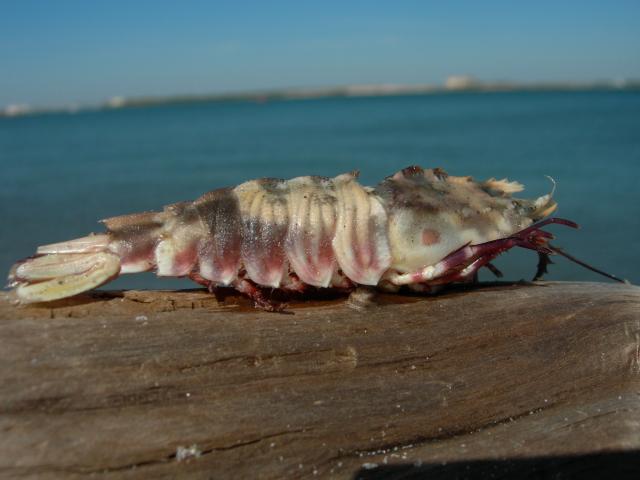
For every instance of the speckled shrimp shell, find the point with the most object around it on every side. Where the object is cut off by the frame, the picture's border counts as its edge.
(420, 228)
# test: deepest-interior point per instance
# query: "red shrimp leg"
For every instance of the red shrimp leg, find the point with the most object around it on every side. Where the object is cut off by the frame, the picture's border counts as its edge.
(465, 261)
(246, 287)
(199, 279)
(493, 269)
(258, 295)
(543, 262)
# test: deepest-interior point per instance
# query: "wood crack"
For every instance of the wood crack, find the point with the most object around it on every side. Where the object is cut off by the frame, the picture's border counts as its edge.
(445, 435)
(253, 359)
(172, 457)
(203, 452)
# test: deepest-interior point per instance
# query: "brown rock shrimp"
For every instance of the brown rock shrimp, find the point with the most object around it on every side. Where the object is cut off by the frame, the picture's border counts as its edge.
(417, 228)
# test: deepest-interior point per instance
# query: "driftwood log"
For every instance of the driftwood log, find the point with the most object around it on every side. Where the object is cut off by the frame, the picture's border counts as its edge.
(499, 378)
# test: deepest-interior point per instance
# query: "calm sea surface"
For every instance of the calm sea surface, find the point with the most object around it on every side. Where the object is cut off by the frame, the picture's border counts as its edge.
(62, 172)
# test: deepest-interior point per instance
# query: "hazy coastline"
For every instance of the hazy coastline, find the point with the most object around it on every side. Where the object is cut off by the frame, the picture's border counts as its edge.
(453, 84)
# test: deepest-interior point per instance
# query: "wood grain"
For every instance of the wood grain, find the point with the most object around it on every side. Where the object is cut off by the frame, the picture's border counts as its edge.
(164, 384)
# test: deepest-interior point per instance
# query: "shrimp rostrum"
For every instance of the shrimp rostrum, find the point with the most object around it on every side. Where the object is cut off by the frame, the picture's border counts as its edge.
(418, 228)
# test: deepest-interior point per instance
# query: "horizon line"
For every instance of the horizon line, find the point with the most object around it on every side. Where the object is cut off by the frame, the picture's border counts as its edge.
(453, 84)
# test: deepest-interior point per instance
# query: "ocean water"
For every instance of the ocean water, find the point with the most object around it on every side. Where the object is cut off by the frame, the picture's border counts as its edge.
(60, 173)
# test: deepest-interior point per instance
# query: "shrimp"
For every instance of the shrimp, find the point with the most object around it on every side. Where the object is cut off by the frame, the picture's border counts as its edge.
(419, 228)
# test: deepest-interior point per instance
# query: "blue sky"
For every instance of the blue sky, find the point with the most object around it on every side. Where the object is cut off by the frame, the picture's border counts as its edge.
(65, 52)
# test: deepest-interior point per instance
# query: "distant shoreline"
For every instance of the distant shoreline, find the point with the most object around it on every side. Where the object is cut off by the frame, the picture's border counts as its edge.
(454, 85)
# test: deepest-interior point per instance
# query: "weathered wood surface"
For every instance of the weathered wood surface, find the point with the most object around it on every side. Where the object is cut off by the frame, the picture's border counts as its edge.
(122, 385)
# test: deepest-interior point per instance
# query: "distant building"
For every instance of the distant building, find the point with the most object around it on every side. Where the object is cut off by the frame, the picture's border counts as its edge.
(116, 102)
(15, 110)
(385, 89)
(461, 82)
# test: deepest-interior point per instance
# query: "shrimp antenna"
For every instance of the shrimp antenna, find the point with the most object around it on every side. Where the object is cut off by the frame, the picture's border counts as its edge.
(553, 182)
(560, 251)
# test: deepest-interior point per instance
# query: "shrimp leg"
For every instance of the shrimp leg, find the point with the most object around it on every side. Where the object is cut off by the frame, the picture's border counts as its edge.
(465, 261)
